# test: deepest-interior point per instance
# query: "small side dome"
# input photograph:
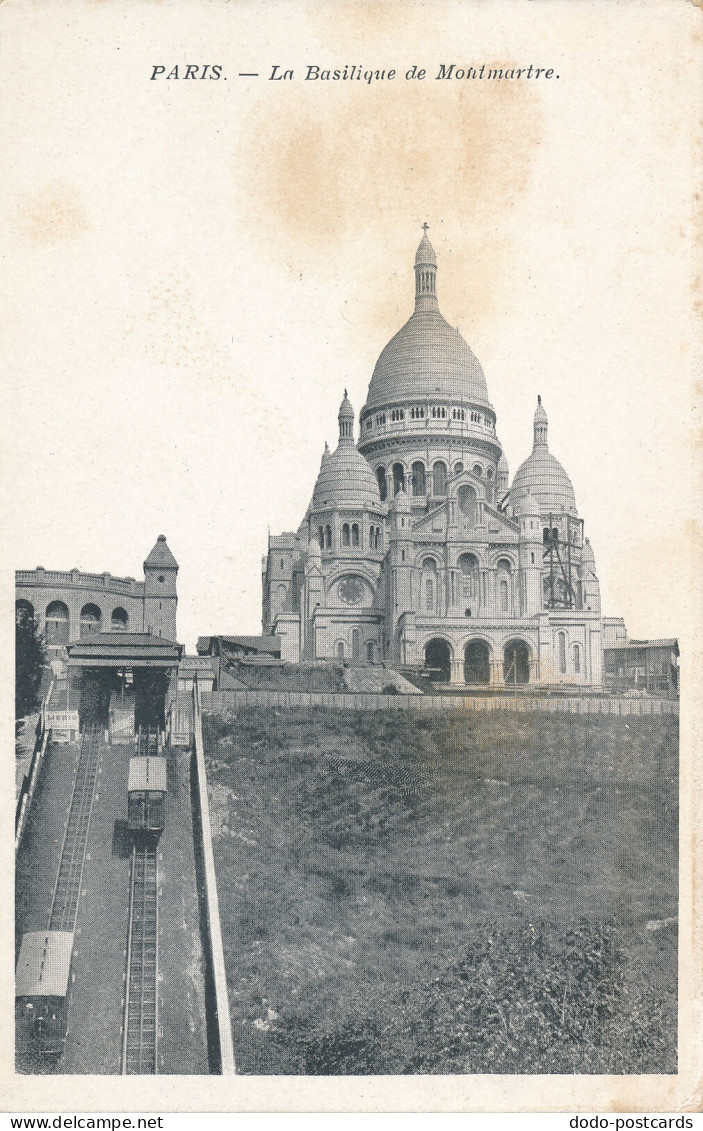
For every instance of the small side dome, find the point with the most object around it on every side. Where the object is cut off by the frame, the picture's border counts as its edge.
(541, 485)
(345, 479)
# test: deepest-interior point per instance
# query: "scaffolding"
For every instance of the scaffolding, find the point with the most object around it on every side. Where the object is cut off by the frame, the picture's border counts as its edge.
(561, 580)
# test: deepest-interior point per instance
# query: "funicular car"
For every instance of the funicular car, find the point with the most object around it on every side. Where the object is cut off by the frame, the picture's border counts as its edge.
(146, 795)
(41, 988)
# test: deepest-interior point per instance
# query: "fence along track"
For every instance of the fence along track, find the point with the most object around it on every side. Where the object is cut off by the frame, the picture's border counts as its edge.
(67, 889)
(140, 1032)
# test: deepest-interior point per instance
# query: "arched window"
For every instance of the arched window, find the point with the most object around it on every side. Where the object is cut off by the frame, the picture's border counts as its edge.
(355, 534)
(90, 620)
(370, 648)
(381, 477)
(340, 649)
(458, 468)
(468, 564)
(505, 585)
(477, 469)
(429, 584)
(56, 623)
(418, 478)
(345, 534)
(577, 658)
(439, 478)
(321, 537)
(561, 652)
(328, 537)
(398, 478)
(119, 620)
(356, 646)
(467, 503)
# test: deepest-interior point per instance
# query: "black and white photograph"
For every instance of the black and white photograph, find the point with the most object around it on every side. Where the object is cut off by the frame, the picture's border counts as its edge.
(351, 490)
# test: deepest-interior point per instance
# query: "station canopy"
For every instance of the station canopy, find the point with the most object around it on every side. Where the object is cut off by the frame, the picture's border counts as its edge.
(124, 650)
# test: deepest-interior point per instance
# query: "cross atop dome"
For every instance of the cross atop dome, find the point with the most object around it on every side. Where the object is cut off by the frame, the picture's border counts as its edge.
(425, 226)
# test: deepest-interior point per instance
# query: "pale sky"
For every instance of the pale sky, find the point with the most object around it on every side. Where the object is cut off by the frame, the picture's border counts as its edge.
(199, 268)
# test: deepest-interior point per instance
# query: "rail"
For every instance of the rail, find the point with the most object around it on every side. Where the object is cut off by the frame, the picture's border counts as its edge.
(67, 888)
(140, 1033)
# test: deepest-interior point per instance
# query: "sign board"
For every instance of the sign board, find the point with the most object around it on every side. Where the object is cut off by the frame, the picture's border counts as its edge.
(62, 720)
(64, 725)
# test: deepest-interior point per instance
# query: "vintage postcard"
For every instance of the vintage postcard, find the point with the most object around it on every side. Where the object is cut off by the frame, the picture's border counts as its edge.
(351, 491)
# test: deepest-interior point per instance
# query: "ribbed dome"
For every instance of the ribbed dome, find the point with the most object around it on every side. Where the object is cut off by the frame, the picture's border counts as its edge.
(541, 485)
(426, 357)
(345, 479)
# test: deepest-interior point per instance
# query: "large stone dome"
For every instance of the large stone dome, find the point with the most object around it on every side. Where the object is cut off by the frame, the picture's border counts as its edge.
(345, 479)
(427, 356)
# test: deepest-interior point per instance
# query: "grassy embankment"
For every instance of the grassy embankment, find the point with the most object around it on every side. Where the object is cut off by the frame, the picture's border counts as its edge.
(455, 893)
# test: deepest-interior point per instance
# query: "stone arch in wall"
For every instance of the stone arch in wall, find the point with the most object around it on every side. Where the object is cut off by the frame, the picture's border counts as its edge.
(477, 662)
(438, 660)
(56, 623)
(439, 477)
(119, 620)
(419, 482)
(91, 619)
(516, 662)
(381, 480)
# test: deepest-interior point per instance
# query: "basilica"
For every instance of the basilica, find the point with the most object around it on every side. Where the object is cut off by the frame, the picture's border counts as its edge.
(418, 551)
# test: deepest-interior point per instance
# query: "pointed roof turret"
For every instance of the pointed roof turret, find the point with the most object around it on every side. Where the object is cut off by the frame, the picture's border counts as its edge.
(161, 557)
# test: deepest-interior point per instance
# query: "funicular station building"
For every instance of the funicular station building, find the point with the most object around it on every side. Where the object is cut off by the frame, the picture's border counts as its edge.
(417, 550)
(111, 641)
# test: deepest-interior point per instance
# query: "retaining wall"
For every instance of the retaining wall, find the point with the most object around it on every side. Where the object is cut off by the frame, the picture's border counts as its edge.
(213, 941)
(220, 700)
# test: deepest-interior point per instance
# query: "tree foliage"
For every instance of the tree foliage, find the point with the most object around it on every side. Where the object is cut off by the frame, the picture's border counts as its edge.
(30, 659)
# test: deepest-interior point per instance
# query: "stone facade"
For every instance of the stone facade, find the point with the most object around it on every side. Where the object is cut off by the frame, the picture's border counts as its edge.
(417, 551)
(71, 605)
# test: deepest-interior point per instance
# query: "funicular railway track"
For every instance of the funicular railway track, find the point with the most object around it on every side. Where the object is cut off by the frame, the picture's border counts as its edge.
(67, 889)
(141, 1016)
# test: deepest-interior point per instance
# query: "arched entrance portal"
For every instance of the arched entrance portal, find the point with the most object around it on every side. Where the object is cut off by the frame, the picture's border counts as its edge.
(516, 662)
(438, 660)
(477, 662)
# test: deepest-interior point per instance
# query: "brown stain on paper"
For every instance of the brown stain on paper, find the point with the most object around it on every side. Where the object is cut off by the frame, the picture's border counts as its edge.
(55, 213)
(344, 164)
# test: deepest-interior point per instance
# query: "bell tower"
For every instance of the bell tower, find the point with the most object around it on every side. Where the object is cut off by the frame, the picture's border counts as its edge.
(160, 596)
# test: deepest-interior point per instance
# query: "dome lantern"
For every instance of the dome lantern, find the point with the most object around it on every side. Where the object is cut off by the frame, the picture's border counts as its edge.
(346, 420)
(425, 275)
(540, 426)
